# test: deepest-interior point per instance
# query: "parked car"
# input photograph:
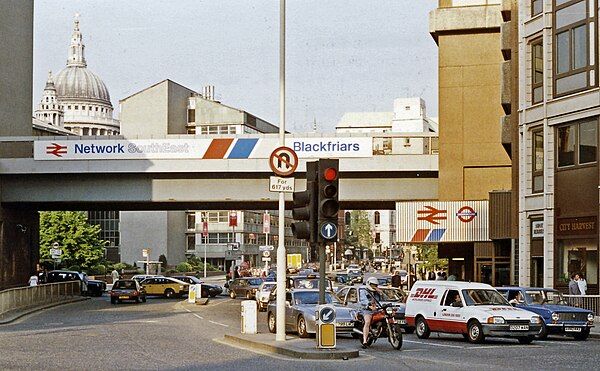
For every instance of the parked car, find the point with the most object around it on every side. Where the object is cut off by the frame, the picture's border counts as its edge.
(475, 310)
(88, 287)
(141, 277)
(559, 318)
(96, 287)
(300, 309)
(353, 268)
(244, 287)
(125, 289)
(307, 282)
(167, 286)
(208, 289)
(263, 295)
(350, 296)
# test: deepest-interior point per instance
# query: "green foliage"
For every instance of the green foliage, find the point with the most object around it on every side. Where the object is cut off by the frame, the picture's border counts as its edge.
(79, 241)
(99, 269)
(74, 268)
(184, 267)
(198, 264)
(429, 255)
(119, 266)
(359, 231)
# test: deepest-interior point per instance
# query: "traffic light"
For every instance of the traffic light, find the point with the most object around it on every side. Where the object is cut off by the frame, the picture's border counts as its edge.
(328, 204)
(305, 207)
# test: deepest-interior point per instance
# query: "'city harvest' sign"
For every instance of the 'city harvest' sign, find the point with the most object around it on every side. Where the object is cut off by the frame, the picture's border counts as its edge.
(204, 149)
(576, 226)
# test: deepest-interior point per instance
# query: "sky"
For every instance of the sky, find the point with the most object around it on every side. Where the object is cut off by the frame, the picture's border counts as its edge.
(341, 55)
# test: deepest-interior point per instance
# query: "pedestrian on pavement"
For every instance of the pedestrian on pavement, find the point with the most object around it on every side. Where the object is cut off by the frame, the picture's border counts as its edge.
(431, 276)
(573, 286)
(115, 275)
(439, 276)
(452, 277)
(33, 280)
(582, 283)
(396, 279)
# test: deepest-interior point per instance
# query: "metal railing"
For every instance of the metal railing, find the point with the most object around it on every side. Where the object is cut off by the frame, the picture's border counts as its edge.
(590, 302)
(22, 298)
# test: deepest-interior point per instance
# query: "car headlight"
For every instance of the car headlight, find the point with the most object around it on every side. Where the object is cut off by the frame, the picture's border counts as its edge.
(555, 316)
(535, 319)
(590, 317)
(497, 320)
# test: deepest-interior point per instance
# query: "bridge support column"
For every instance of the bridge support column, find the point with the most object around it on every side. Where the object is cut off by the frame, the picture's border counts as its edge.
(19, 246)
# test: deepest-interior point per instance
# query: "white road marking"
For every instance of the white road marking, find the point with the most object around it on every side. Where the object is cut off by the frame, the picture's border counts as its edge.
(197, 316)
(220, 324)
(434, 344)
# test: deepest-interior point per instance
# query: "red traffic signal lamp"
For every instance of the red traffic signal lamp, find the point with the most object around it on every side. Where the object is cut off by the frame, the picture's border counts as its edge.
(328, 203)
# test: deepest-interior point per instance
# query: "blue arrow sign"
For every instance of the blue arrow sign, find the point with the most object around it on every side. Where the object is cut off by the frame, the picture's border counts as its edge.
(328, 230)
(327, 315)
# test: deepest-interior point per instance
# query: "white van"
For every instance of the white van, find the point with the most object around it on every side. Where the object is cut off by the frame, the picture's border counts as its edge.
(475, 310)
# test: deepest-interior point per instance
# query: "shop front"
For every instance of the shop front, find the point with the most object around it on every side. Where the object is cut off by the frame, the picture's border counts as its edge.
(577, 251)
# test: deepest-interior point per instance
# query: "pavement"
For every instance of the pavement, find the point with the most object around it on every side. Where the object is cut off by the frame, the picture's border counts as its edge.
(292, 346)
(14, 315)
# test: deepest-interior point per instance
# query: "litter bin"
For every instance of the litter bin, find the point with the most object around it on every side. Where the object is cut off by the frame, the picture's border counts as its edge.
(249, 317)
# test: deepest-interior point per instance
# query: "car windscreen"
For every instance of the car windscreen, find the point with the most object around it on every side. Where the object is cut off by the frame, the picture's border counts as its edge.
(124, 285)
(390, 295)
(544, 296)
(483, 297)
(255, 281)
(306, 283)
(268, 286)
(312, 297)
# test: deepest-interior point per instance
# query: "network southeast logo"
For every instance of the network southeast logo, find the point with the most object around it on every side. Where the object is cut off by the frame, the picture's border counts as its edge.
(56, 150)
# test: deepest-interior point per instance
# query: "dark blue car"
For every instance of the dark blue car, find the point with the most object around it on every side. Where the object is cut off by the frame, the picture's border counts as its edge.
(559, 317)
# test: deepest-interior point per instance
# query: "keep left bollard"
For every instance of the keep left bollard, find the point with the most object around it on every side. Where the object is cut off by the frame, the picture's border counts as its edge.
(249, 317)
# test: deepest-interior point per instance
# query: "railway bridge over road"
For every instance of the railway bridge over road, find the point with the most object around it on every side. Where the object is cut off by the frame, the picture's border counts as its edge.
(192, 173)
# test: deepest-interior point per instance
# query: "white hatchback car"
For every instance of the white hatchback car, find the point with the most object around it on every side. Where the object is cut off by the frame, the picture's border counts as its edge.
(263, 295)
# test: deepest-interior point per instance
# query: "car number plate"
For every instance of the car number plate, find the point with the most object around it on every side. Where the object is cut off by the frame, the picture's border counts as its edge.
(343, 324)
(519, 327)
(123, 297)
(572, 329)
(401, 321)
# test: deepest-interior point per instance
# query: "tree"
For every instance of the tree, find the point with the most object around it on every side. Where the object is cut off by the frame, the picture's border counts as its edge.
(429, 255)
(79, 241)
(359, 230)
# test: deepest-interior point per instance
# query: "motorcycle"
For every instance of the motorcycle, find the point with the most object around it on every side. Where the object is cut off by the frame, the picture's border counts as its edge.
(383, 324)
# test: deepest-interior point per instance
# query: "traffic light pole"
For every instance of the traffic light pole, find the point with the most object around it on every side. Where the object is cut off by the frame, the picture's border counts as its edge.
(322, 258)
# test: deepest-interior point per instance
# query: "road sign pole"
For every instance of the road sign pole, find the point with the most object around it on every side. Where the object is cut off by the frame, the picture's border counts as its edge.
(281, 254)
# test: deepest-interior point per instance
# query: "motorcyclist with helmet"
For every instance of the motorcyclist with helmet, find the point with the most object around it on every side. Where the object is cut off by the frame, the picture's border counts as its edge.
(368, 306)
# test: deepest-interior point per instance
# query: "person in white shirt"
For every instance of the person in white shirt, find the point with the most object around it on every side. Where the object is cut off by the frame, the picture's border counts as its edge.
(582, 283)
(33, 280)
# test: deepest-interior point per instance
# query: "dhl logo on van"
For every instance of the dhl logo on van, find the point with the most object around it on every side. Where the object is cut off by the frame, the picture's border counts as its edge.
(424, 293)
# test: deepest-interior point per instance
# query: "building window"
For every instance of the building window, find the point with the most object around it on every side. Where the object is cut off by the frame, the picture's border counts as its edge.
(571, 44)
(191, 115)
(588, 142)
(191, 242)
(538, 161)
(377, 217)
(577, 256)
(536, 7)
(191, 221)
(578, 143)
(537, 71)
